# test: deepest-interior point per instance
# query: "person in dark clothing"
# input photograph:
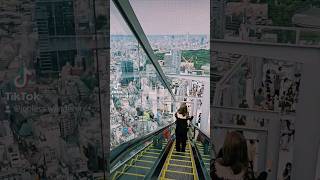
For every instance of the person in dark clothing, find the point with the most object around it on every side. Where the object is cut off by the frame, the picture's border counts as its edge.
(259, 98)
(232, 161)
(287, 172)
(182, 116)
(277, 85)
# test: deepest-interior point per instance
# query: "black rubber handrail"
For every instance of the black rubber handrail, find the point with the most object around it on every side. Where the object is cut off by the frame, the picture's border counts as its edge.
(206, 137)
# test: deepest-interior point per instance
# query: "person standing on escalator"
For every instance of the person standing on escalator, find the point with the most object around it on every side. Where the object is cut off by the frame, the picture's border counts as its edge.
(182, 116)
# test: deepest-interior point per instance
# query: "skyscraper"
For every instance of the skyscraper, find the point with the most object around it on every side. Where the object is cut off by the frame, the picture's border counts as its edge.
(127, 72)
(56, 32)
(176, 61)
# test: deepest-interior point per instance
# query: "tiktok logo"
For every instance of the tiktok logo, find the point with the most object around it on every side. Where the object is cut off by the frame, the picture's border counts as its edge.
(23, 77)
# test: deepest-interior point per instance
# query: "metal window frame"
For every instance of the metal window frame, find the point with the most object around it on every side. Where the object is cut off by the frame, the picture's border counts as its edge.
(127, 13)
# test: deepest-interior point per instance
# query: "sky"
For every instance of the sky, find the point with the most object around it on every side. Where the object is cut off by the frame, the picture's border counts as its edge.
(166, 17)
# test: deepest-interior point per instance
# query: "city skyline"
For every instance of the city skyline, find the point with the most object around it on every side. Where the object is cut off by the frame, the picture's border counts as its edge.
(177, 17)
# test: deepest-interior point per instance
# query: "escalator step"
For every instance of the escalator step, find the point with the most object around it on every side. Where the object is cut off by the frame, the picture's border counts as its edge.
(144, 161)
(179, 162)
(144, 164)
(181, 156)
(136, 170)
(154, 149)
(153, 153)
(180, 169)
(179, 172)
(148, 158)
(142, 167)
(177, 165)
(130, 176)
(178, 175)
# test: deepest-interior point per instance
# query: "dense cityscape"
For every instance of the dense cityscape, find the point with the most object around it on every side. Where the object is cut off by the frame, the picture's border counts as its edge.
(138, 93)
(50, 119)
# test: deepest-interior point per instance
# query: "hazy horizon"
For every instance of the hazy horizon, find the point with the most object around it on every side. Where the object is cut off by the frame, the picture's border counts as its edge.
(155, 16)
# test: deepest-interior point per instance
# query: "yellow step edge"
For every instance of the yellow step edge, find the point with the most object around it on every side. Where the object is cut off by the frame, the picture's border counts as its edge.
(142, 155)
(205, 155)
(154, 149)
(181, 156)
(187, 152)
(180, 160)
(178, 165)
(181, 152)
(131, 174)
(138, 166)
(179, 172)
(151, 153)
(139, 160)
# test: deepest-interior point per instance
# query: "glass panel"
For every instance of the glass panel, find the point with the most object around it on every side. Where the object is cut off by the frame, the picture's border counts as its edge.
(135, 86)
(180, 36)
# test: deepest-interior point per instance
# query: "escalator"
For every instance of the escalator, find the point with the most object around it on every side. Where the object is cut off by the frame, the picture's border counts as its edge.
(155, 157)
(179, 165)
(140, 164)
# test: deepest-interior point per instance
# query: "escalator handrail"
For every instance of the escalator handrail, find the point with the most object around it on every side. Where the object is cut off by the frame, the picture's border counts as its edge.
(203, 169)
(207, 138)
(125, 147)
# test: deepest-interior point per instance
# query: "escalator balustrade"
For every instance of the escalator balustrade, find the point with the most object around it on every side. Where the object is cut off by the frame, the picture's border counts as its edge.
(204, 154)
(141, 164)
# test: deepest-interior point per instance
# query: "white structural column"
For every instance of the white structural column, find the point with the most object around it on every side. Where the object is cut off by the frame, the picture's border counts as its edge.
(205, 120)
(307, 124)
(273, 144)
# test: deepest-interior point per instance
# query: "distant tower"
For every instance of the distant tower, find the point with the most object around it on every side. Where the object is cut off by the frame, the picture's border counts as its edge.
(176, 61)
(127, 72)
(188, 39)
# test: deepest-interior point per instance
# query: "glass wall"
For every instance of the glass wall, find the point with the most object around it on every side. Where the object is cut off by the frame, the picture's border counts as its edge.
(135, 86)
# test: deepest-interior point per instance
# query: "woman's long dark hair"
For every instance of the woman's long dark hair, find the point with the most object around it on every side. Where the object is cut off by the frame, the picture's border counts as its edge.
(235, 152)
(286, 170)
(183, 109)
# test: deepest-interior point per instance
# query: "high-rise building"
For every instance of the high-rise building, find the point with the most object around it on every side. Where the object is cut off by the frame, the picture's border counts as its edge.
(56, 31)
(176, 61)
(172, 62)
(127, 72)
